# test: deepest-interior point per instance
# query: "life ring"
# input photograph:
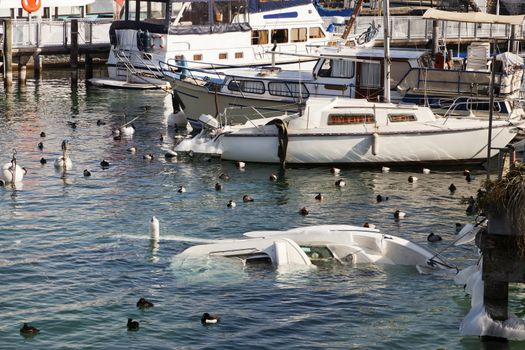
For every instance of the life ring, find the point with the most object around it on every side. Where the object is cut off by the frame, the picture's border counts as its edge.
(158, 38)
(31, 5)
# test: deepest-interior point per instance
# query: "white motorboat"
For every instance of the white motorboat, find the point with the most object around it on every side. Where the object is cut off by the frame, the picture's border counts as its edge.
(338, 130)
(340, 71)
(304, 246)
(205, 33)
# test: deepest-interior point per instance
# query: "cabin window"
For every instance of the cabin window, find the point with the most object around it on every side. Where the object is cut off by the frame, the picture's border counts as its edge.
(342, 119)
(239, 55)
(398, 71)
(317, 253)
(299, 35)
(195, 14)
(279, 36)
(396, 118)
(337, 69)
(316, 33)
(260, 37)
(223, 55)
(288, 90)
(370, 75)
(249, 86)
(197, 57)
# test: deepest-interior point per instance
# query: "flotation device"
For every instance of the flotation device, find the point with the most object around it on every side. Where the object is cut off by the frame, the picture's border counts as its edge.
(157, 39)
(31, 5)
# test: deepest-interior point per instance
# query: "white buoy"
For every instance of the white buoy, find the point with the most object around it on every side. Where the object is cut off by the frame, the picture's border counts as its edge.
(385, 169)
(127, 130)
(426, 171)
(154, 228)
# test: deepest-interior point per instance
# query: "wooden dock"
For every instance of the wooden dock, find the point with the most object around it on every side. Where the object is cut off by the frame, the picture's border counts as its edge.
(23, 41)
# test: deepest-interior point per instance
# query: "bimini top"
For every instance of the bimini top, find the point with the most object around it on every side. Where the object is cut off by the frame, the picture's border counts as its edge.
(473, 17)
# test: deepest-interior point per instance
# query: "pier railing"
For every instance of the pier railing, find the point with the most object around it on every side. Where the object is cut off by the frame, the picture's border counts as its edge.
(46, 33)
(415, 27)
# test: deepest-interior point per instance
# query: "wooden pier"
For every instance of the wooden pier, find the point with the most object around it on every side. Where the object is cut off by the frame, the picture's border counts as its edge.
(25, 40)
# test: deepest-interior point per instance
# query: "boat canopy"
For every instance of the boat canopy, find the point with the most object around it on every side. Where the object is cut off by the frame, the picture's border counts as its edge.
(473, 17)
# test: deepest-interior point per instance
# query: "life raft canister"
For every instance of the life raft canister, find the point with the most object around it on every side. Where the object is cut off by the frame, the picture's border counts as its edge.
(31, 5)
(157, 40)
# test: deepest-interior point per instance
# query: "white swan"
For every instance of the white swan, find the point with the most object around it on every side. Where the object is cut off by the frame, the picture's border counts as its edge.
(64, 162)
(12, 172)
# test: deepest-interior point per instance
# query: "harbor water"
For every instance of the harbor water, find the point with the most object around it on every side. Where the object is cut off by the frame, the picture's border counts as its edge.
(75, 254)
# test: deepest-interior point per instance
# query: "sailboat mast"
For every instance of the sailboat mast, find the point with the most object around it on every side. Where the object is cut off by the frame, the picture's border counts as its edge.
(386, 44)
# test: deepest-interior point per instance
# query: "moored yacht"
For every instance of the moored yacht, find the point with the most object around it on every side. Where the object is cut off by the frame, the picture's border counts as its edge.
(353, 131)
(205, 33)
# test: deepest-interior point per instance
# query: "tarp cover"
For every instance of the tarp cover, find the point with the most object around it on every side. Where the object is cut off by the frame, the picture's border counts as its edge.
(510, 59)
(473, 17)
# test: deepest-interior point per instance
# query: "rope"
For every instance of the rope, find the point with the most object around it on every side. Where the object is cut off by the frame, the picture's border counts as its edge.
(432, 261)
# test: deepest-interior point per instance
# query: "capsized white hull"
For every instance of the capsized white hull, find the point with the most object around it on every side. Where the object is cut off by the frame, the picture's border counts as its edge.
(302, 246)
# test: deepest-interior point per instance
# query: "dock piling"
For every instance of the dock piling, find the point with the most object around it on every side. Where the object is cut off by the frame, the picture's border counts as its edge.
(73, 53)
(8, 52)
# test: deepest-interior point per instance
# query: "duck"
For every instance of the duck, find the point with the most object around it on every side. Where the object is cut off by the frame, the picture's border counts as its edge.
(469, 177)
(466, 172)
(273, 177)
(27, 329)
(426, 171)
(231, 204)
(100, 122)
(12, 172)
(433, 237)
(412, 179)
(319, 197)
(304, 211)
(380, 198)
(40, 146)
(385, 169)
(247, 198)
(161, 138)
(209, 319)
(42, 134)
(132, 150)
(87, 173)
(117, 138)
(127, 130)
(218, 187)
(452, 188)
(170, 154)
(224, 177)
(181, 189)
(399, 214)
(133, 325)
(144, 304)
(240, 165)
(43, 160)
(471, 208)
(64, 162)
(367, 225)
(116, 132)
(335, 171)
(73, 125)
(104, 163)
(148, 156)
(154, 229)
(340, 183)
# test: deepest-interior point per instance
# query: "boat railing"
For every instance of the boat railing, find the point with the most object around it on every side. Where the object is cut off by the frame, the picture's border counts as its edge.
(468, 103)
(453, 81)
(126, 57)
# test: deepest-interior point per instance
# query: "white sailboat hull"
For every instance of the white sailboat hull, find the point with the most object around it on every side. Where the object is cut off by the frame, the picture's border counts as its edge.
(308, 148)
